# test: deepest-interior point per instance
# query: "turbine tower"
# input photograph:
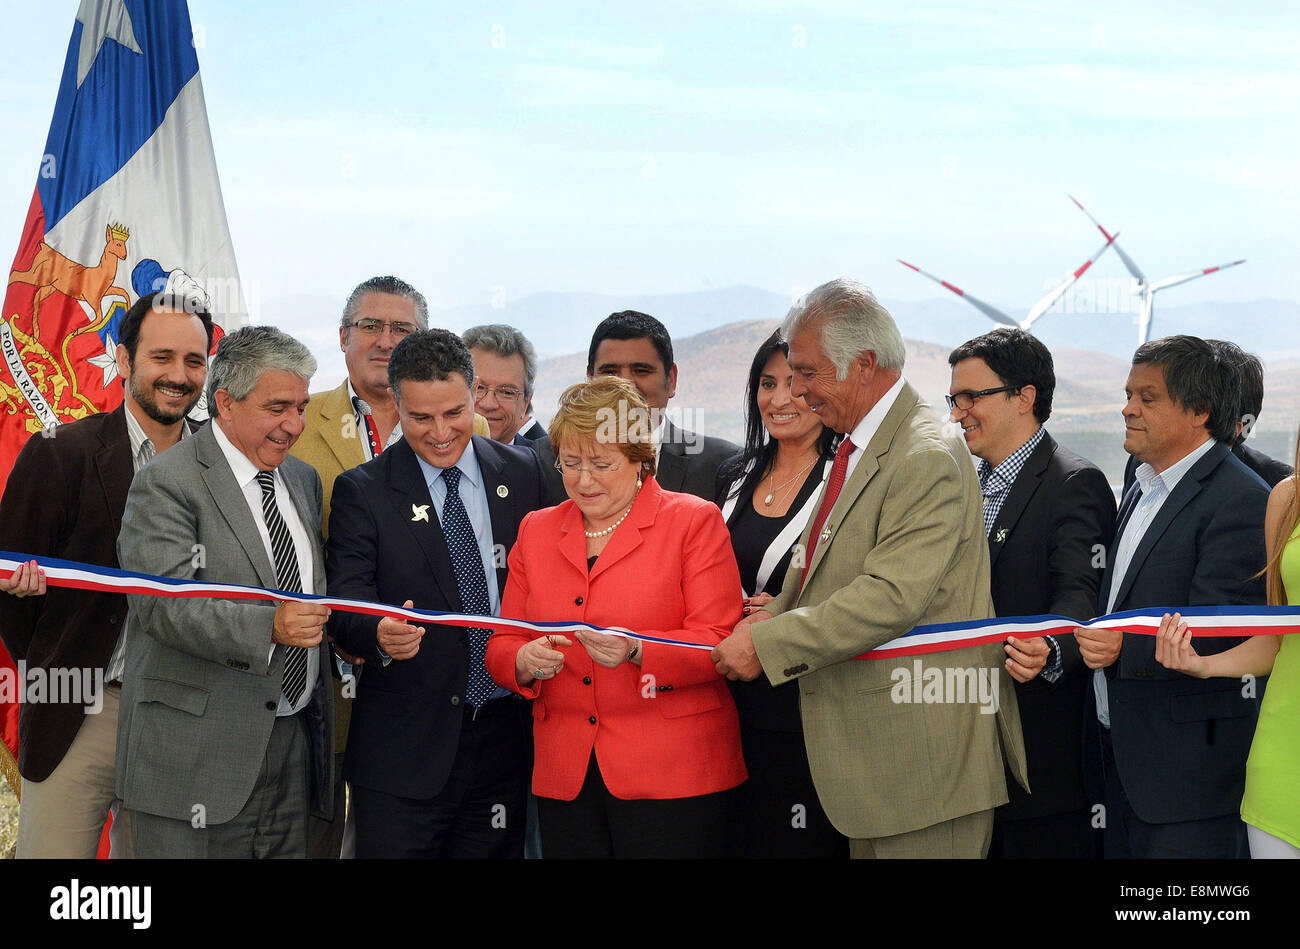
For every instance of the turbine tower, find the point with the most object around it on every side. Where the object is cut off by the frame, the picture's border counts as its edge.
(1146, 290)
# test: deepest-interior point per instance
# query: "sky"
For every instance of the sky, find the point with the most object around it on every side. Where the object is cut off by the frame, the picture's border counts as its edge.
(512, 148)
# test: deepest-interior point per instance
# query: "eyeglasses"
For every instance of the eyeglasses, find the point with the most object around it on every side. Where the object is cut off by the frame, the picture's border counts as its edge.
(965, 400)
(596, 467)
(503, 394)
(369, 327)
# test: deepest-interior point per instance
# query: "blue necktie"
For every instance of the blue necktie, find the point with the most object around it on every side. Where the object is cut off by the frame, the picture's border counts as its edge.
(472, 583)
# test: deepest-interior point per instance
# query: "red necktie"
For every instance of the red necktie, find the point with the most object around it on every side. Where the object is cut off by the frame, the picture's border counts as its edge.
(839, 471)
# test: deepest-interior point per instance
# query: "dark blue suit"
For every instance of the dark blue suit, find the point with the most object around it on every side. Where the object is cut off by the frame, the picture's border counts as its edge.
(408, 717)
(1179, 743)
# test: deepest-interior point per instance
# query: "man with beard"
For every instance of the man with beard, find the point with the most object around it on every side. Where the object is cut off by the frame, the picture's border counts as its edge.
(65, 498)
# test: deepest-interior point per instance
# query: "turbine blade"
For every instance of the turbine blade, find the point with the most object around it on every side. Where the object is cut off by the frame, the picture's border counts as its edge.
(1133, 268)
(1183, 278)
(988, 310)
(1045, 304)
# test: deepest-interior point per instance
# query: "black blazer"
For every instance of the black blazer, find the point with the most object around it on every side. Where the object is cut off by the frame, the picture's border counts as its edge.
(686, 468)
(407, 715)
(1055, 525)
(1180, 743)
(64, 498)
(531, 433)
(1270, 469)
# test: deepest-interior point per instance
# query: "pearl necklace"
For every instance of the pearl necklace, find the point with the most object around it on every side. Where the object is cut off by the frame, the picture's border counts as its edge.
(592, 535)
(771, 495)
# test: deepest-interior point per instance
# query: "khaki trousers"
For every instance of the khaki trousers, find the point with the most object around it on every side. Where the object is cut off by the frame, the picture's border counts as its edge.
(962, 838)
(63, 816)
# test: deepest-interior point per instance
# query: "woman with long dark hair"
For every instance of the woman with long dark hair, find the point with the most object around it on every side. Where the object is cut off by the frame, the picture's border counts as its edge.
(768, 493)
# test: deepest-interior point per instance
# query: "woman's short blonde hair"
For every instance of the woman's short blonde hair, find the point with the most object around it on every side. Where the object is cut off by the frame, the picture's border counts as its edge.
(605, 410)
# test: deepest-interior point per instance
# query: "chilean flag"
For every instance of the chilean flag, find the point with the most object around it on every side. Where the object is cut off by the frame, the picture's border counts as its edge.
(127, 202)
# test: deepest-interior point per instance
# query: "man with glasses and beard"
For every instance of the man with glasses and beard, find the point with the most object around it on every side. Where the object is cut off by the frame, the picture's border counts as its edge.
(65, 498)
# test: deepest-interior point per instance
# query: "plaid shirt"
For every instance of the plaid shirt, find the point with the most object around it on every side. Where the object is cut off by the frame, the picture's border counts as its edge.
(995, 483)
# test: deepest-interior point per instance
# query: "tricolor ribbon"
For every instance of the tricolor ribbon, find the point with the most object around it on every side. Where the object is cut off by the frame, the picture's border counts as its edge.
(935, 637)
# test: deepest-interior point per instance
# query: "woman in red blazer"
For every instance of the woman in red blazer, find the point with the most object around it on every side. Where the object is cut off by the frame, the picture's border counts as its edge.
(635, 741)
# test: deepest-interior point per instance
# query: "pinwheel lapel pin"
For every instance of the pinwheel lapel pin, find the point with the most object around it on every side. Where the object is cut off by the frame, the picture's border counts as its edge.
(419, 512)
(1001, 536)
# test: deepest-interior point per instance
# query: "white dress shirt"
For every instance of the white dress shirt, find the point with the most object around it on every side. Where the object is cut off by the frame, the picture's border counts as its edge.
(245, 473)
(142, 452)
(1156, 488)
(866, 429)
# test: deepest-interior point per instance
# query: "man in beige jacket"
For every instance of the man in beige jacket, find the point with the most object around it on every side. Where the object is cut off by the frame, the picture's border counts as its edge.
(906, 754)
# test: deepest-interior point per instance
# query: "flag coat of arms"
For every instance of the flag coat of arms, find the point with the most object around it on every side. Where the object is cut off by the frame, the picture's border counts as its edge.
(127, 202)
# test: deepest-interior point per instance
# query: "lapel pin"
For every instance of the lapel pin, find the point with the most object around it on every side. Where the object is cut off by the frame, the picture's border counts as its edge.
(502, 490)
(1001, 536)
(825, 535)
(419, 512)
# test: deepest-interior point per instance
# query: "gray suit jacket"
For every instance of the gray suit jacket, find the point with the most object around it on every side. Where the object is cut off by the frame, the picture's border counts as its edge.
(198, 698)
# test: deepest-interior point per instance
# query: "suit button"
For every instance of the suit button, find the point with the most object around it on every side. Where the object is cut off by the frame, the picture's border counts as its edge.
(788, 672)
(586, 680)
(577, 601)
(455, 700)
(592, 719)
(272, 706)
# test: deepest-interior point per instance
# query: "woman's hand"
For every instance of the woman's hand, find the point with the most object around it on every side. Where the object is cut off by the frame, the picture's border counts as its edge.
(539, 659)
(1174, 648)
(27, 580)
(756, 602)
(606, 650)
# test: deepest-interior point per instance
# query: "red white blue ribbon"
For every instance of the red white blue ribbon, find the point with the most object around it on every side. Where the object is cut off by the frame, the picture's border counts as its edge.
(936, 637)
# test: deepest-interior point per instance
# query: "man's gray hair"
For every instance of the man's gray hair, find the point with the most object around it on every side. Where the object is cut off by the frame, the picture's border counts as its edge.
(505, 341)
(242, 357)
(394, 285)
(849, 321)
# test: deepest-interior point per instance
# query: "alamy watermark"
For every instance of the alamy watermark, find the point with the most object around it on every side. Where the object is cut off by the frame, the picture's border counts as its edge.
(948, 685)
(36, 685)
(630, 424)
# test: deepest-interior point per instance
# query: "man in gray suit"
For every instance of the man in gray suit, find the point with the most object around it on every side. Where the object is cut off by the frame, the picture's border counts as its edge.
(224, 736)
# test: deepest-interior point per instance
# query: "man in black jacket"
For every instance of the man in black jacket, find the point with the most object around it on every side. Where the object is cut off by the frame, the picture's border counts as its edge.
(637, 347)
(1250, 375)
(1049, 515)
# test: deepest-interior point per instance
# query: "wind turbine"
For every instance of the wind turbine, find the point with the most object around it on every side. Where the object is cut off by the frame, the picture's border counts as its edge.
(1037, 310)
(1146, 290)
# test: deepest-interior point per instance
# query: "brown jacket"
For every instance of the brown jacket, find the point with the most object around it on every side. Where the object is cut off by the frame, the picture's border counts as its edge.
(64, 498)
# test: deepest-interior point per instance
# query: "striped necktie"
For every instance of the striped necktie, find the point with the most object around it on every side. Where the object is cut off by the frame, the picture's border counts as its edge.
(287, 579)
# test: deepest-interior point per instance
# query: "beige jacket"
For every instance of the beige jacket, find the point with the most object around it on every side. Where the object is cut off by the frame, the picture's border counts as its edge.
(904, 546)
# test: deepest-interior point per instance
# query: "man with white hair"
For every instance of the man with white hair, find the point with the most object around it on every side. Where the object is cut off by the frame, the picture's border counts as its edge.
(897, 542)
(225, 737)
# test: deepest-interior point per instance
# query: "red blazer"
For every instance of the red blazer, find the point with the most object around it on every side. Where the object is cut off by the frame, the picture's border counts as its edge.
(664, 729)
